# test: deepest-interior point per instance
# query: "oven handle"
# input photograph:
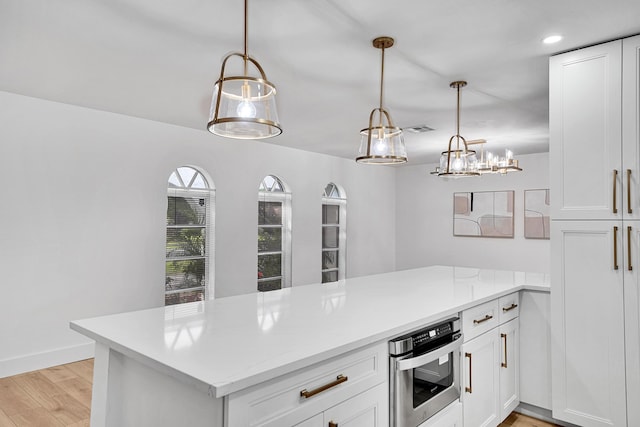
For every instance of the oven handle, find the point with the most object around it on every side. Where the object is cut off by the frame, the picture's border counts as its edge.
(415, 362)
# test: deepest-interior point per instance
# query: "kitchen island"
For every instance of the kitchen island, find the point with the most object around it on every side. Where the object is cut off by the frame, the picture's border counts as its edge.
(183, 362)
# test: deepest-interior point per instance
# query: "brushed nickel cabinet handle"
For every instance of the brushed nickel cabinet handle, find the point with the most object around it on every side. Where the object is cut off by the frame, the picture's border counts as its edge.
(629, 210)
(339, 380)
(615, 182)
(484, 319)
(332, 424)
(630, 267)
(615, 247)
(504, 364)
(468, 389)
(511, 307)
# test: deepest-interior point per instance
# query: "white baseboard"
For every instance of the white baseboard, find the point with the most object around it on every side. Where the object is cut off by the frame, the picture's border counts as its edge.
(541, 414)
(59, 356)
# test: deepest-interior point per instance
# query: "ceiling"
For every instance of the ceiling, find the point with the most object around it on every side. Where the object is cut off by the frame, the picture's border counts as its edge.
(159, 59)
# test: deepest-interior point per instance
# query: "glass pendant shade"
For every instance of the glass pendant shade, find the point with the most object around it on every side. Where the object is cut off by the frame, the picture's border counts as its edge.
(244, 107)
(458, 163)
(490, 163)
(382, 143)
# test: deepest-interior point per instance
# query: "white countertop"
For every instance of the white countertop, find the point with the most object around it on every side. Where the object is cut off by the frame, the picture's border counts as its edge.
(228, 344)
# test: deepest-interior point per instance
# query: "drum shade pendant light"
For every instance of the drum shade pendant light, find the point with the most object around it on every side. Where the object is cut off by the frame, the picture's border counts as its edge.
(382, 142)
(244, 106)
(458, 160)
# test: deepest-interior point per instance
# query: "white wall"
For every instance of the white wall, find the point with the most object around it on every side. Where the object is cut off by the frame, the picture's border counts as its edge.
(424, 218)
(83, 217)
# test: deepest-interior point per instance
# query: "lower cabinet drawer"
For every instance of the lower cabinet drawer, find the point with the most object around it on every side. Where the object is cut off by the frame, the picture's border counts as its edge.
(281, 401)
(479, 319)
(509, 307)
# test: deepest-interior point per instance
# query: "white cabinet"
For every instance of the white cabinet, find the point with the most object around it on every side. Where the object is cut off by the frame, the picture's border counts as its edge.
(490, 366)
(351, 388)
(481, 384)
(509, 367)
(585, 127)
(595, 158)
(368, 409)
(587, 318)
(631, 138)
(535, 349)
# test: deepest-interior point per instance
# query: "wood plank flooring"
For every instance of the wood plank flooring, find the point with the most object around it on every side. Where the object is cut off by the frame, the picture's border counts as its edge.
(61, 396)
(57, 396)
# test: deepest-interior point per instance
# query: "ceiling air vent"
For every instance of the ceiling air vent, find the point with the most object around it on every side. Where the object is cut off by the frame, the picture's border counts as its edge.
(418, 129)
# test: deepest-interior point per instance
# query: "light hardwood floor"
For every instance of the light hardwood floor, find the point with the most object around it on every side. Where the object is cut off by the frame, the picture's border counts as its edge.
(61, 396)
(57, 396)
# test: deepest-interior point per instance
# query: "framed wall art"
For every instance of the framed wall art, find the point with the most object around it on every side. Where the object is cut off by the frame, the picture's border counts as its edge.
(483, 214)
(536, 214)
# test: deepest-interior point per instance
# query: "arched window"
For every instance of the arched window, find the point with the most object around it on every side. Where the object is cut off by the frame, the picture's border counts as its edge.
(334, 235)
(274, 234)
(190, 201)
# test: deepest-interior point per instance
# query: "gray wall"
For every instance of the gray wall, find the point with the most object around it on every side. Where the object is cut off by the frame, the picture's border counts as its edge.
(83, 217)
(424, 213)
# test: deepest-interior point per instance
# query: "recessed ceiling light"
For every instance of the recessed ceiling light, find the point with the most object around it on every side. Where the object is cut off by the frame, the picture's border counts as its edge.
(552, 39)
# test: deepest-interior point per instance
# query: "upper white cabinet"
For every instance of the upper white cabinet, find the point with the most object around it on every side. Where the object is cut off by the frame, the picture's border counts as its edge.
(585, 128)
(595, 176)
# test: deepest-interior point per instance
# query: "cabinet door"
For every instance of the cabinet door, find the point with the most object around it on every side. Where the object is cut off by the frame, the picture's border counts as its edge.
(368, 409)
(630, 124)
(535, 349)
(317, 421)
(509, 367)
(587, 323)
(481, 383)
(585, 96)
(632, 321)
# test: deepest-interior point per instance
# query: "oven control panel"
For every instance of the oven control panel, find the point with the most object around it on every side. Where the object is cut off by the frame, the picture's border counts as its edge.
(431, 334)
(423, 336)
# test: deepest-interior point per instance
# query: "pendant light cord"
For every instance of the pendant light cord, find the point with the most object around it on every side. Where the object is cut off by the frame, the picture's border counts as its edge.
(458, 121)
(246, 36)
(381, 85)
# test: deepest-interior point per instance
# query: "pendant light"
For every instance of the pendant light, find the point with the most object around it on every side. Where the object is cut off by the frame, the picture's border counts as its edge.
(458, 161)
(382, 142)
(244, 106)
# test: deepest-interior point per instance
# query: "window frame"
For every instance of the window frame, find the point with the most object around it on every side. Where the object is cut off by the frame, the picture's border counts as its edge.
(209, 195)
(284, 198)
(341, 202)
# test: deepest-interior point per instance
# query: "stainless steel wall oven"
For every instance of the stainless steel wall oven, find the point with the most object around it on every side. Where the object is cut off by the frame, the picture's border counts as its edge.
(424, 373)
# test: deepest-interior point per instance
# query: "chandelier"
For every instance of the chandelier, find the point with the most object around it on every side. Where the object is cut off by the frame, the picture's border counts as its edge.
(460, 161)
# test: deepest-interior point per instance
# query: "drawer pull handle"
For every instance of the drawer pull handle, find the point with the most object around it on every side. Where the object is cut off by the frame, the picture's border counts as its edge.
(484, 319)
(629, 209)
(468, 389)
(615, 181)
(511, 307)
(504, 364)
(615, 247)
(339, 380)
(630, 267)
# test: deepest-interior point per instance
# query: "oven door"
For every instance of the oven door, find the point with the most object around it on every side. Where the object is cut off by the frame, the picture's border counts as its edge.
(422, 385)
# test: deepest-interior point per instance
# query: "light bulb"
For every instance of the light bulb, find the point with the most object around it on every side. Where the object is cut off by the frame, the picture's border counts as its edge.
(380, 146)
(246, 109)
(457, 165)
